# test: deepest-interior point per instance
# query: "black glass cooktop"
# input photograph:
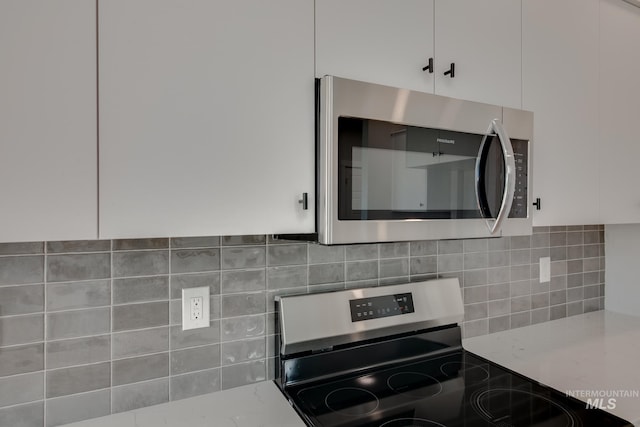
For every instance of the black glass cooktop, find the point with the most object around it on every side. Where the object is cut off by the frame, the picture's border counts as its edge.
(454, 390)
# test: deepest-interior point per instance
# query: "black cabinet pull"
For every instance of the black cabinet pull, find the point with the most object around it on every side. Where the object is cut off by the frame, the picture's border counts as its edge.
(429, 66)
(537, 203)
(451, 72)
(304, 201)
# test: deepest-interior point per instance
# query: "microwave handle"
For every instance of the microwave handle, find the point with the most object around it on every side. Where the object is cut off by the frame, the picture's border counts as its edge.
(509, 183)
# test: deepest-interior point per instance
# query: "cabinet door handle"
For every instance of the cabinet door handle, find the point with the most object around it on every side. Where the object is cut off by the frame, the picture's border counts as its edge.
(429, 66)
(537, 204)
(451, 72)
(304, 201)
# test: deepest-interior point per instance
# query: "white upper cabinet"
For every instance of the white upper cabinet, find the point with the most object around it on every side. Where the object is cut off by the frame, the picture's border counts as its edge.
(380, 41)
(48, 173)
(560, 85)
(483, 41)
(206, 117)
(390, 42)
(619, 112)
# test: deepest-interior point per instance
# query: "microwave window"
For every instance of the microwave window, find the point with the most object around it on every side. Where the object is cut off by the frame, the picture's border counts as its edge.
(391, 171)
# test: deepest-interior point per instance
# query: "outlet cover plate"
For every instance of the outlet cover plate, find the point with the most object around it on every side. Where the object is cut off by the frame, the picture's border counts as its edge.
(545, 269)
(187, 321)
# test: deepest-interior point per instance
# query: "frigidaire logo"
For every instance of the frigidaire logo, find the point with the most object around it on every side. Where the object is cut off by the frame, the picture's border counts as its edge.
(446, 141)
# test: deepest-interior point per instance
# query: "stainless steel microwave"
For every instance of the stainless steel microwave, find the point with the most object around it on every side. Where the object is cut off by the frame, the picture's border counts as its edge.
(398, 165)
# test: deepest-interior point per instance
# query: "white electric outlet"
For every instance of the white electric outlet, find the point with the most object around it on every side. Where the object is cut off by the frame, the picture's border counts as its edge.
(545, 269)
(195, 308)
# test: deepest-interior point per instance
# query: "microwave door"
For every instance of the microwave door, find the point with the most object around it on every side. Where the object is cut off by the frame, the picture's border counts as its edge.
(489, 192)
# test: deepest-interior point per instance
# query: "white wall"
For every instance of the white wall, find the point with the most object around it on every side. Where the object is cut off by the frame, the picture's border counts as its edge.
(622, 272)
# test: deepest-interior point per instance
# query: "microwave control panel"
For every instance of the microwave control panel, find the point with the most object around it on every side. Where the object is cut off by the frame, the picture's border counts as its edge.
(520, 197)
(382, 306)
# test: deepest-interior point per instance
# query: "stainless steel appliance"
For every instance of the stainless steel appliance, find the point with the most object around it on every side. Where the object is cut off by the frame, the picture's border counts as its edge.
(392, 356)
(395, 165)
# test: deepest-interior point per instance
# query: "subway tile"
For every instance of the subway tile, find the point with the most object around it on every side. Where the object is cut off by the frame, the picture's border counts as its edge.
(136, 244)
(198, 280)
(520, 272)
(558, 268)
(393, 267)
(575, 227)
(326, 273)
(23, 299)
(592, 264)
(539, 301)
(423, 248)
(287, 255)
(195, 337)
(79, 351)
(140, 316)
(520, 242)
(21, 248)
(575, 294)
(499, 244)
(519, 320)
(498, 324)
(244, 373)
(287, 277)
(475, 245)
(475, 260)
(498, 275)
(557, 228)
(362, 270)
(319, 254)
(538, 253)
(21, 329)
(575, 308)
(195, 260)
(367, 283)
(21, 389)
(591, 305)
(394, 250)
(591, 237)
(575, 238)
(475, 328)
(453, 262)
(558, 312)
(540, 229)
(574, 266)
(136, 343)
(242, 257)
(423, 265)
(591, 278)
(140, 395)
(79, 246)
(78, 379)
(80, 407)
(245, 240)
(558, 282)
(195, 359)
(499, 291)
(195, 384)
(541, 240)
(271, 295)
(29, 415)
(475, 311)
(575, 280)
(538, 288)
(243, 351)
(69, 268)
(591, 292)
(79, 323)
(195, 242)
(520, 288)
(20, 270)
(140, 289)
(142, 368)
(591, 251)
(68, 296)
(558, 253)
(557, 297)
(243, 304)
(239, 328)
(361, 252)
(422, 277)
(558, 239)
(145, 263)
(575, 252)
(450, 247)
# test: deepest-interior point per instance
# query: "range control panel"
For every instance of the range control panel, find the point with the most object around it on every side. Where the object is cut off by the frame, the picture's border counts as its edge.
(382, 306)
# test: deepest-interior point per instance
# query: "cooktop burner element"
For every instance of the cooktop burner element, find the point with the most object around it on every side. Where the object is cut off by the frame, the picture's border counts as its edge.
(352, 401)
(512, 408)
(340, 370)
(414, 384)
(411, 422)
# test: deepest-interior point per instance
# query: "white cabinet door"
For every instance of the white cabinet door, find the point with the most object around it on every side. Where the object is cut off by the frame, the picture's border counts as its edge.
(619, 112)
(379, 41)
(206, 117)
(483, 40)
(48, 176)
(560, 85)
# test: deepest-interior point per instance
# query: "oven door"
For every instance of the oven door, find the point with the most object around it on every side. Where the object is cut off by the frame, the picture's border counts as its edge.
(392, 169)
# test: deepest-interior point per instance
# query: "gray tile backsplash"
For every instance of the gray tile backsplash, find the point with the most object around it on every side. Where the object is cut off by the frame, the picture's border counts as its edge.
(93, 327)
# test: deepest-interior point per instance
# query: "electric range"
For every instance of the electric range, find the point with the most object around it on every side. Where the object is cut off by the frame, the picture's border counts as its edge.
(392, 356)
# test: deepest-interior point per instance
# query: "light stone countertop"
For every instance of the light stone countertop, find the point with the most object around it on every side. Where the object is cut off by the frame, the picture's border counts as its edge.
(254, 405)
(596, 352)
